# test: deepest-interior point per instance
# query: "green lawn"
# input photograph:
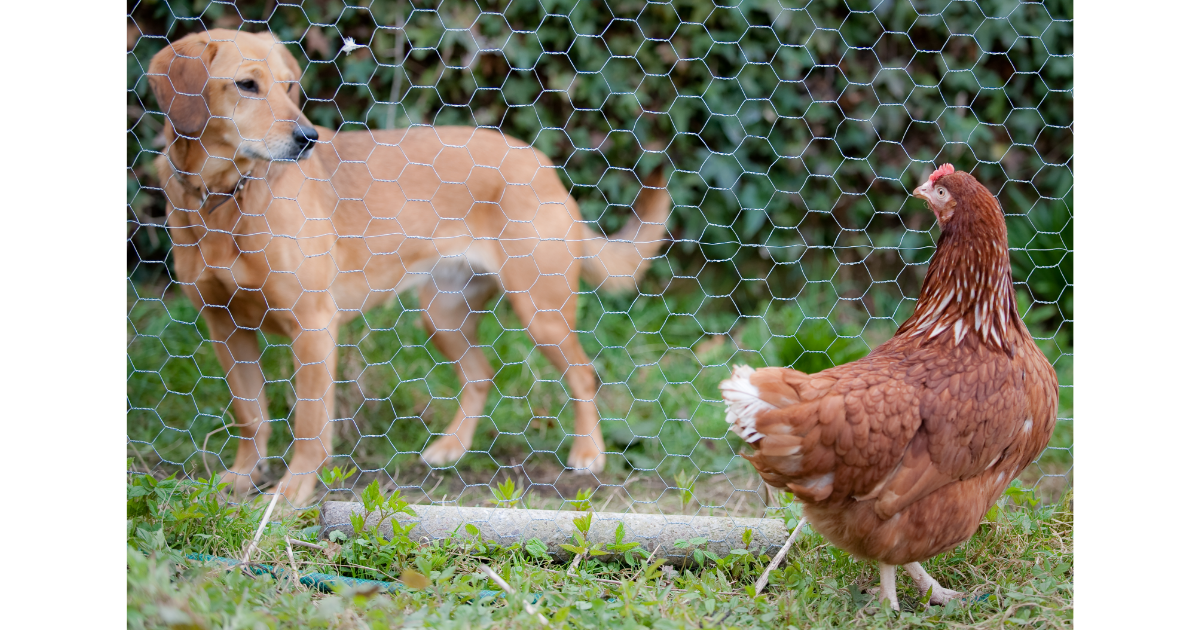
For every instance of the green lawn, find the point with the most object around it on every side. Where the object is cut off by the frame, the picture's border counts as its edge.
(659, 359)
(1017, 569)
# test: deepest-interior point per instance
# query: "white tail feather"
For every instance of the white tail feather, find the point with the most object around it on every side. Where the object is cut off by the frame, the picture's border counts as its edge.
(742, 404)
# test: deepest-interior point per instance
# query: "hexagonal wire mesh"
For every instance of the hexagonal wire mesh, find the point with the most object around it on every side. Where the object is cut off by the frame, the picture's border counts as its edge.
(789, 135)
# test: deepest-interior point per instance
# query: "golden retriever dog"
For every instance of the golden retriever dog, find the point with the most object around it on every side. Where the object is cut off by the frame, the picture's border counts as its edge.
(281, 226)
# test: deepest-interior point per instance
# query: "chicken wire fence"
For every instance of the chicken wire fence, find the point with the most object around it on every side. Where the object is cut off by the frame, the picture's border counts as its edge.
(789, 133)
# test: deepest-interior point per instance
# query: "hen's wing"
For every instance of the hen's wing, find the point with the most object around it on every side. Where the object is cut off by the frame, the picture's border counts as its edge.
(893, 426)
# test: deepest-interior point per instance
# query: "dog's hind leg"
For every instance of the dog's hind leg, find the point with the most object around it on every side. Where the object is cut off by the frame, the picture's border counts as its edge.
(451, 304)
(547, 306)
(238, 351)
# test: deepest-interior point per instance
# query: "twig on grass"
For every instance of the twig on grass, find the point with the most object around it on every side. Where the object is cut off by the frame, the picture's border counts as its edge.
(301, 543)
(618, 582)
(590, 578)
(719, 621)
(648, 559)
(335, 565)
(292, 559)
(261, 526)
(440, 479)
(609, 499)
(204, 447)
(574, 568)
(762, 581)
(142, 460)
(508, 589)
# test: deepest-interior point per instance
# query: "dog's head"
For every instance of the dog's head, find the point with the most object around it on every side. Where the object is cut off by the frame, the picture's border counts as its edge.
(236, 89)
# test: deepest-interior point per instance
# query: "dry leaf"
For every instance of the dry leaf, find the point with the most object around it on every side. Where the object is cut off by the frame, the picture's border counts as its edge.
(414, 580)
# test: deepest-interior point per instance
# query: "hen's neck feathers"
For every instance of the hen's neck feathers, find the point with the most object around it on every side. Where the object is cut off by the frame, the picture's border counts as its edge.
(968, 292)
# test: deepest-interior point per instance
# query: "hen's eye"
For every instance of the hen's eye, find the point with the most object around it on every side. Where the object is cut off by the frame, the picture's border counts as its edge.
(248, 85)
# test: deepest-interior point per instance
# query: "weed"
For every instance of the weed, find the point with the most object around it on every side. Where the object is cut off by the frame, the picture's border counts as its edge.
(626, 550)
(583, 500)
(334, 477)
(506, 494)
(687, 486)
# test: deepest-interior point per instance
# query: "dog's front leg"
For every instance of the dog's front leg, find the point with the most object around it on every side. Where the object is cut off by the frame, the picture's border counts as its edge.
(315, 355)
(238, 351)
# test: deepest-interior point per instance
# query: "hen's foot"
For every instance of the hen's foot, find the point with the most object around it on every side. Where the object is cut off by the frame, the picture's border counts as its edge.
(942, 596)
(938, 596)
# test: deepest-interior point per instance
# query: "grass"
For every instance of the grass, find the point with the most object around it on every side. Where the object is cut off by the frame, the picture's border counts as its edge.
(659, 358)
(1017, 569)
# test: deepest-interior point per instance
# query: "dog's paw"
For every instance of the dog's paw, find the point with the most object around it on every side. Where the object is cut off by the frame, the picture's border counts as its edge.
(444, 451)
(238, 483)
(298, 490)
(585, 457)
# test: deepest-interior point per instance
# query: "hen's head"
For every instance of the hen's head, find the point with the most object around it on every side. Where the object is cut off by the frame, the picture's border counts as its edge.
(945, 191)
(968, 289)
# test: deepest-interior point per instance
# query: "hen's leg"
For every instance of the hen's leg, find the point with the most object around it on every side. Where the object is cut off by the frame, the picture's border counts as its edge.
(925, 582)
(887, 585)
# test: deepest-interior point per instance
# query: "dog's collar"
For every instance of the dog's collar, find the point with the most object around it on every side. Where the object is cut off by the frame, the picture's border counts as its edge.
(237, 189)
(204, 195)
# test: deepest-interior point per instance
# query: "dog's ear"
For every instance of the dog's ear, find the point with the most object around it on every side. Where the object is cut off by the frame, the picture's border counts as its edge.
(177, 76)
(289, 60)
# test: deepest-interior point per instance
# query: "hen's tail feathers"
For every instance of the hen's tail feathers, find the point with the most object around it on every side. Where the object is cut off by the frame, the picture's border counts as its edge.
(618, 262)
(742, 404)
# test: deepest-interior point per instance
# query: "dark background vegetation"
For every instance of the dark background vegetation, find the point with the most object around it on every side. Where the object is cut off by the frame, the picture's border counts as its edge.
(791, 135)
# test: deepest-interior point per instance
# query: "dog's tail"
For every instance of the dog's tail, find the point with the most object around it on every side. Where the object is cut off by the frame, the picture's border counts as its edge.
(618, 262)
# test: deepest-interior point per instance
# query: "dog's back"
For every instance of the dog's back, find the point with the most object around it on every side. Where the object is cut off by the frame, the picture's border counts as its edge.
(430, 193)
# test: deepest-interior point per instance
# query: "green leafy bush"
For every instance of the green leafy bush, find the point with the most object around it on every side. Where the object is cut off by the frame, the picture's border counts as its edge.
(794, 133)
(791, 132)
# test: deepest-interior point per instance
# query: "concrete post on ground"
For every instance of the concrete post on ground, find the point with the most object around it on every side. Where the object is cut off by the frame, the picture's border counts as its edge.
(510, 525)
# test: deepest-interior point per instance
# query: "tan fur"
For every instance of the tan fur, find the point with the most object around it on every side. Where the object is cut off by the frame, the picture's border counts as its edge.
(457, 213)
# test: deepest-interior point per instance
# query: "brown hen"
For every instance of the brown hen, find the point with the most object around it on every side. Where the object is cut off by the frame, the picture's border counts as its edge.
(897, 456)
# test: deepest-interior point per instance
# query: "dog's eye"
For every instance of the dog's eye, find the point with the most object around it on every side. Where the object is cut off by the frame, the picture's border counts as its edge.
(248, 85)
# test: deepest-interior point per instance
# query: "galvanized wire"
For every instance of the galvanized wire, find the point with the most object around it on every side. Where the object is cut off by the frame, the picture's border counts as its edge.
(790, 136)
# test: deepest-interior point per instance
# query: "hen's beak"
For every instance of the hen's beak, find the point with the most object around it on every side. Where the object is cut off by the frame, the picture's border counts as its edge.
(924, 191)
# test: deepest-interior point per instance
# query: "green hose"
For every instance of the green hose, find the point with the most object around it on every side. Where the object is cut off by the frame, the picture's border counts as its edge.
(323, 582)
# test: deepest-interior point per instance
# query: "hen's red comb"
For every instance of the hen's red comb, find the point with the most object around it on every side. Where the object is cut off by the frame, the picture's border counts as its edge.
(942, 170)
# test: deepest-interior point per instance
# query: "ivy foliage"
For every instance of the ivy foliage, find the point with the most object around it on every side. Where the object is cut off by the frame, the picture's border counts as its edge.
(792, 131)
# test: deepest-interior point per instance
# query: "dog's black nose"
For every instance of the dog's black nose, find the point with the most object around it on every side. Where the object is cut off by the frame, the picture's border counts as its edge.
(304, 135)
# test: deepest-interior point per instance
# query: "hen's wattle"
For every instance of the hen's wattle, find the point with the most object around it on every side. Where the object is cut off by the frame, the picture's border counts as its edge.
(897, 456)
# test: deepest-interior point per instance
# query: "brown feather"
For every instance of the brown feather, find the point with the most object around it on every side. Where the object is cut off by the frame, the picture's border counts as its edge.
(898, 455)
